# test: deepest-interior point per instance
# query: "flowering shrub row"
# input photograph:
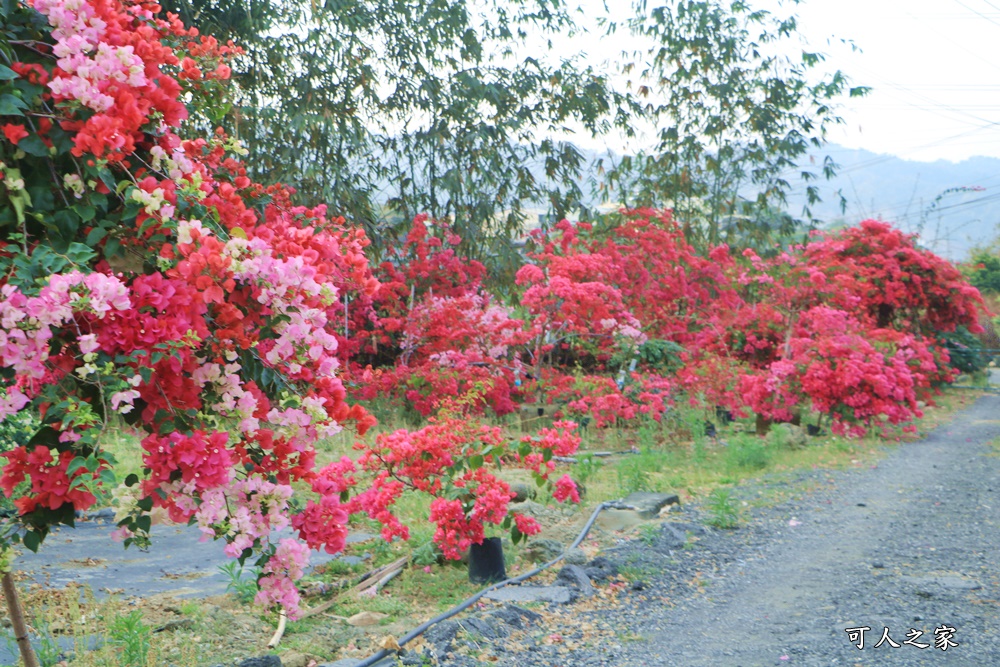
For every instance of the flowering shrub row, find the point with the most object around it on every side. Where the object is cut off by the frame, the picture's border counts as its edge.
(615, 318)
(146, 278)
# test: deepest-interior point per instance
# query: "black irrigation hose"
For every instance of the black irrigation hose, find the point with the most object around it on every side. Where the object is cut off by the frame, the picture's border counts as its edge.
(422, 628)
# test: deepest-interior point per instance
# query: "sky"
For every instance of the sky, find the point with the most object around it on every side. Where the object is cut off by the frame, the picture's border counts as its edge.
(933, 66)
(934, 70)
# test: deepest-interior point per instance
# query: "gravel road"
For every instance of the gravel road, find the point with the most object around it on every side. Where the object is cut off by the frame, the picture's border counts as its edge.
(910, 545)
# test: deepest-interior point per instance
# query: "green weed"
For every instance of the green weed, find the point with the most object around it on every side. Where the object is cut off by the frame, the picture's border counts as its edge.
(722, 510)
(586, 466)
(244, 588)
(132, 637)
(649, 533)
(46, 647)
(747, 452)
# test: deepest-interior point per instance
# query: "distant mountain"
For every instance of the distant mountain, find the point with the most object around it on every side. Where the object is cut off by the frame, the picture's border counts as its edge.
(953, 206)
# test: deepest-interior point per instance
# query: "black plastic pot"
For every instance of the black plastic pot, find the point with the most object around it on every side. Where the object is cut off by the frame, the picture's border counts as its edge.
(486, 564)
(541, 412)
(725, 416)
(710, 429)
(813, 429)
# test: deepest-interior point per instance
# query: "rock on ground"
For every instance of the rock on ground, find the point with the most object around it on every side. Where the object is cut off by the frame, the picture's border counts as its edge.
(909, 545)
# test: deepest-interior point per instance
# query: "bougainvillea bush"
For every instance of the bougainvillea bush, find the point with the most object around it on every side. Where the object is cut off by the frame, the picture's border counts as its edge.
(431, 332)
(146, 276)
(850, 325)
(147, 279)
(450, 459)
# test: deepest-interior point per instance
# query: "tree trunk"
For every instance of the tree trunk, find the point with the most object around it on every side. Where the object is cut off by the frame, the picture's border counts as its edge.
(763, 425)
(17, 621)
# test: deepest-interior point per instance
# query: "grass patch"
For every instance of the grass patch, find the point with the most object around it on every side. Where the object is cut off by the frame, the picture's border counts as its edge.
(676, 456)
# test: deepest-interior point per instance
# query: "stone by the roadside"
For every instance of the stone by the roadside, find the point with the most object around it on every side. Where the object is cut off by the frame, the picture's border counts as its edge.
(514, 616)
(949, 582)
(647, 505)
(366, 618)
(296, 659)
(676, 534)
(575, 556)
(958, 583)
(522, 492)
(557, 594)
(262, 661)
(574, 577)
(177, 624)
(442, 635)
(797, 437)
(600, 569)
(495, 624)
(614, 520)
(542, 551)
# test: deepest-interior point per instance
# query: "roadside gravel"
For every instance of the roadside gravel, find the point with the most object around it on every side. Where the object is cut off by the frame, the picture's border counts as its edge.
(911, 544)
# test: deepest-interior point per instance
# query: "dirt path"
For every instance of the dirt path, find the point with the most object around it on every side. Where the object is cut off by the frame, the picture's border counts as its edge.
(911, 545)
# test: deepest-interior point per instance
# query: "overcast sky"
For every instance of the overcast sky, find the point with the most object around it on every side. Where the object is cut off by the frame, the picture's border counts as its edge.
(933, 65)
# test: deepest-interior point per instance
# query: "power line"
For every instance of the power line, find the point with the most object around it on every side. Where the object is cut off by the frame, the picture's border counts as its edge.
(938, 34)
(977, 12)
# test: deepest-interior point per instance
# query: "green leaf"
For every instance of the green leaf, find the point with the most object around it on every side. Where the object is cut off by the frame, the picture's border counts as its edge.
(80, 254)
(86, 212)
(75, 465)
(111, 248)
(144, 523)
(6, 73)
(11, 106)
(33, 145)
(47, 436)
(31, 541)
(95, 236)
(131, 479)
(107, 178)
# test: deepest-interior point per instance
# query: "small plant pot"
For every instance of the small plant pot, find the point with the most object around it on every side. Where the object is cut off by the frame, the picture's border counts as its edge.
(710, 429)
(725, 416)
(541, 412)
(813, 429)
(486, 565)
